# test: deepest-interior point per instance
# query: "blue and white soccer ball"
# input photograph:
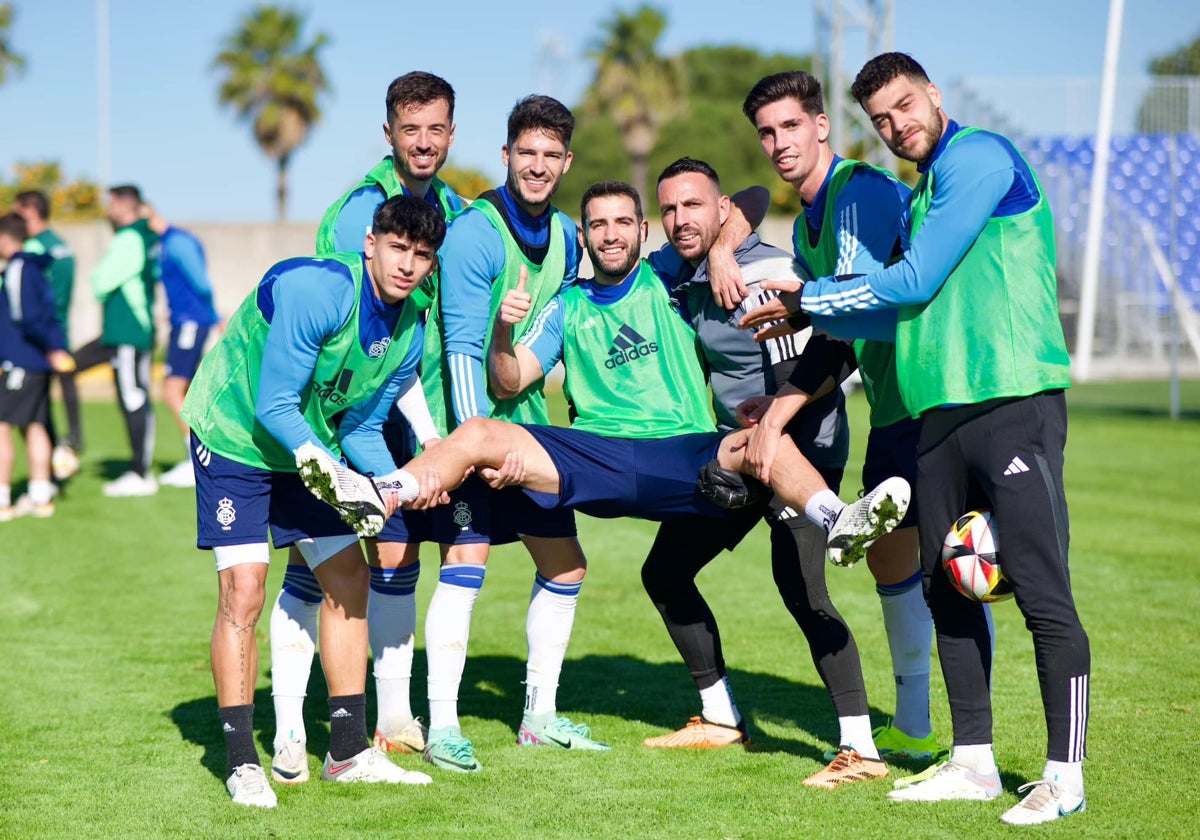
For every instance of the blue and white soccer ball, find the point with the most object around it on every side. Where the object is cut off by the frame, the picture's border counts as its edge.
(972, 561)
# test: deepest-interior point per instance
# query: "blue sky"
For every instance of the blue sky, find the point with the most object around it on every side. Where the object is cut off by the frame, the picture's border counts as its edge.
(198, 164)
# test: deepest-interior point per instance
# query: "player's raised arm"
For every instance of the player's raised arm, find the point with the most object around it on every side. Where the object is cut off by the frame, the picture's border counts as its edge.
(513, 367)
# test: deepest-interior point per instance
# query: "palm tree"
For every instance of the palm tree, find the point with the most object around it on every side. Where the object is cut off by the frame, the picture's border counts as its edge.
(269, 77)
(8, 58)
(635, 86)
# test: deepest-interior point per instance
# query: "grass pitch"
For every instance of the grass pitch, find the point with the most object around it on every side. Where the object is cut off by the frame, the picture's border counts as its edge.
(110, 727)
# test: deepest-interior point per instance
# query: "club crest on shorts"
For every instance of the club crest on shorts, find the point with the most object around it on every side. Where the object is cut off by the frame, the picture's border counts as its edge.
(462, 515)
(378, 348)
(225, 513)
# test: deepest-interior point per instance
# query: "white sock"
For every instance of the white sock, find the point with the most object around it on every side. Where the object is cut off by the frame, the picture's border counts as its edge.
(392, 624)
(822, 509)
(717, 706)
(447, 630)
(41, 492)
(856, 734)
(5, 495)
(977, 757)
(910, 637)
(1069, 774)
(548, 631)
(293, 642)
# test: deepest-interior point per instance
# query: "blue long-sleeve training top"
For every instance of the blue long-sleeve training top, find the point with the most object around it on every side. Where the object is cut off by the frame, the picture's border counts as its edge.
(185, 278)
(981, 177)
(472, 258)
(29, 326)
(306, 301)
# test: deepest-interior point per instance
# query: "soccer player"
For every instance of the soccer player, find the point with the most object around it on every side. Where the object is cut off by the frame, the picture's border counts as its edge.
(419, 127)
(851, 225)
(641, 431)
(980, 357)
(505, 231)
(311, 360)
(693, 209)
(124, 282)
(183, 270)
(32, 345)
(34, 207)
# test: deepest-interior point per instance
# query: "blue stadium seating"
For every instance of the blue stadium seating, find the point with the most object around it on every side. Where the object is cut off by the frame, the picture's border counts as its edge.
(1139, 187)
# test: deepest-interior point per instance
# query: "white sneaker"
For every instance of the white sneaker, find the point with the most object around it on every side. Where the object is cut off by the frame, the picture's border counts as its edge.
(952, 781)
(131, 484)
(354, 495)
(860, 523)
(26, 506)
(180, 475)
(403, 735)
(1046, 801)
(248, 786)
(290, 764)
(372, 766)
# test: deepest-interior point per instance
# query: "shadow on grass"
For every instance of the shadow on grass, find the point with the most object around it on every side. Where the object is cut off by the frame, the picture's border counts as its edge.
(660, 695)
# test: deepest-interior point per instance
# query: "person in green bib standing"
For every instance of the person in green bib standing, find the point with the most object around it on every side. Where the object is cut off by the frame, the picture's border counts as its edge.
(981, 359)
(506, 232)
(850, 224)
(313, 358)
(124, 282)
(419, 127)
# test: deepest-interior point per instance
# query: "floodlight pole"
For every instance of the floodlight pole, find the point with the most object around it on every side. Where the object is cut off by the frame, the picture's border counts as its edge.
(103, 96)
(1090, 284)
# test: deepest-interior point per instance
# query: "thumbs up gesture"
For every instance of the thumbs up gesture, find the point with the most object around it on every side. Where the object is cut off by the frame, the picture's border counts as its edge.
(516, 304)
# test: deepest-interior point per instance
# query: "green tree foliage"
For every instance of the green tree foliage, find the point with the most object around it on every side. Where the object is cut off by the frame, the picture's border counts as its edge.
(635, 87)
(468, 183)
(9, 58)
(708, 125)
(1165, 107)
(273, 80)
(76, 200)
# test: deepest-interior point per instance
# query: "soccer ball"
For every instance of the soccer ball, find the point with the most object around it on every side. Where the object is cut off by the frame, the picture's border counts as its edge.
(971, 559)
(64, 463)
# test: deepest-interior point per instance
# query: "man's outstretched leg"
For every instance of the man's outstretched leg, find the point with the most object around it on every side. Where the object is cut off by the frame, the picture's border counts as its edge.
(851, 528)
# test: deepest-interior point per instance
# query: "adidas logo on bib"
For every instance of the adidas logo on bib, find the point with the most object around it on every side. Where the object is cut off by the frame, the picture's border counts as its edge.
(627, 346)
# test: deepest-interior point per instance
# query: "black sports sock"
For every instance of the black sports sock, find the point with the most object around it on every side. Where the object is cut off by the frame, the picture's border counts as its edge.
(347, 726)
(238, 724)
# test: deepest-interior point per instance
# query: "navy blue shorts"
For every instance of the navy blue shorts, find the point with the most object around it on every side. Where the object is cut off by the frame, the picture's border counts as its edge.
(514, 515)
(24, 397)
(892, 450)
(237, 504)
(465, 521)
(615, 477)
(185, 349)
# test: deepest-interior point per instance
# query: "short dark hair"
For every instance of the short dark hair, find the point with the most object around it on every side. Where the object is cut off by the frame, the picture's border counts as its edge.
(35, 199)
(801, 86)
(13, 225)
(411, 217)
(881, 70)
(417, 88)
(686, 165)
(546, 113)
(604, 189)
(128, 191)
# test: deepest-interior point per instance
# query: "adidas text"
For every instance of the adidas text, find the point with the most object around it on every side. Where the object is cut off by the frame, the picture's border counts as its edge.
(620, 357)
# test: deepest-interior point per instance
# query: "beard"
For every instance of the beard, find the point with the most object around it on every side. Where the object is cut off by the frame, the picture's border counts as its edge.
(931, 134)
(516, 189)
(618, 271)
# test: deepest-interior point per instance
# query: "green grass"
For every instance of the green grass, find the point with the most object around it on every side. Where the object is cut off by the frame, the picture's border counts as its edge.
(109, 724)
